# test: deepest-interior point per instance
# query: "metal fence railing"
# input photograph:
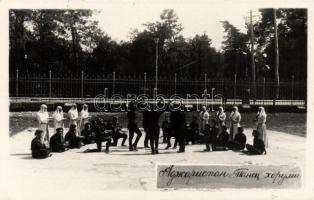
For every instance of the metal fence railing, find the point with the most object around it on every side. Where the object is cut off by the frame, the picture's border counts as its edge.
(89, 86)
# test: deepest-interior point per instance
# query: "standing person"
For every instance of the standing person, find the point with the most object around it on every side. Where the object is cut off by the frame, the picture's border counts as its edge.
(84, 117)
(221, 118)
(146, 127)
(39, 149)
(43, 120)
(58, 118)
(116, 132)
(166, 131)
(235, 118)
(57, 141)
(261, 125)
(154, 130)
(258, 146)
(204, 118)
(73, 115)
(177, 124)
(132, 126)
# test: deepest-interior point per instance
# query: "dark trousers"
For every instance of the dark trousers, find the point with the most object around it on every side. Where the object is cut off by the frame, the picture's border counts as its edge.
(101, 140)
(146, 137)
(116, 136)
(180, 138)
(133, 128)
(234, 145)
(40, 154)
(253, 150)
(154, 138)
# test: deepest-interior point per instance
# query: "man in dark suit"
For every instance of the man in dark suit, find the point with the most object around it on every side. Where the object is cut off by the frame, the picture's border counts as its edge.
(57, 141)
(39, 150)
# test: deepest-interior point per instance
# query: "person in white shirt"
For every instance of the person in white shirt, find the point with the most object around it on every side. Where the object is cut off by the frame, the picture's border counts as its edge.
(221, 118)
(261, 125)
(58, 118)
(43, 119)
(235, 118)
(73, 115)
(84, 117)
(204, 118)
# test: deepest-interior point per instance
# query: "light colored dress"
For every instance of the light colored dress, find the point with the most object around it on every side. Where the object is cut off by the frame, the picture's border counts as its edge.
(204, 119)
(235, 118)
(261, 128)
(73, 116)
(43, 119)
(221, 116)
(58, 120)
(84, 116)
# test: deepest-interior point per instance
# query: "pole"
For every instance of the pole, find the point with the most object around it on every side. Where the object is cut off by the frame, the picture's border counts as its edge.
(252, 58)
(82, 84)
(235, 88)
(292, 89)
(49, 83)
(144, 83)
(277, 59)
(113, 82)
(156, 66)
(212, 99)
(205, 80)
(264, 90)
(17, 83)
(175, 83)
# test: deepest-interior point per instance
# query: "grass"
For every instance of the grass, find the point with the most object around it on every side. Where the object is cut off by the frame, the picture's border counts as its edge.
(291, 123)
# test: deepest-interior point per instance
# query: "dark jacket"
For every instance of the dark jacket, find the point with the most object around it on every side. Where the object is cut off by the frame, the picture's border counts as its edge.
(39, 150)
(56, 143)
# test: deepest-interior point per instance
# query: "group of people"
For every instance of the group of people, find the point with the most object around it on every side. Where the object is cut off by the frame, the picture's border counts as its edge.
(209, 129)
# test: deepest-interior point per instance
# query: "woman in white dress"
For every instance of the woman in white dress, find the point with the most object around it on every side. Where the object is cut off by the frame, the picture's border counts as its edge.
(43, 119)
(73, 115)
(261, 125)
(204, 119)
(84, 117)
(235, 118)
(221, 118)
(58, 118)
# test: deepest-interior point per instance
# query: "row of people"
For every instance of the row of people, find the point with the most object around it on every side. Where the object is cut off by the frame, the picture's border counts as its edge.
(58, 119)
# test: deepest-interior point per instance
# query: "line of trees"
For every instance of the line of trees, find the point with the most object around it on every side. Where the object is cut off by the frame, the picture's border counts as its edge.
(69, 41)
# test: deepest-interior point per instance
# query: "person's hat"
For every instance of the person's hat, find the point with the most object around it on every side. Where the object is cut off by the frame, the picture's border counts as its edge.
(58, 129)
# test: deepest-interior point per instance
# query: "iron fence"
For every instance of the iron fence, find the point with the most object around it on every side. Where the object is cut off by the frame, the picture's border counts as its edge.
(88, 86)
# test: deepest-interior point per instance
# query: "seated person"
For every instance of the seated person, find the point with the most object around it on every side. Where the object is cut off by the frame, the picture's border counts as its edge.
(74, 141)
(39, 149)
(239, 141)
(88, 135)
(116, 132)
(57, 141)
(101, 135)
(222, 140)
(258, 147)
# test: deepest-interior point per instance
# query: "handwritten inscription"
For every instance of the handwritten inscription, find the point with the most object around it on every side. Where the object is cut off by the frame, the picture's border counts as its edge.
(213, 176)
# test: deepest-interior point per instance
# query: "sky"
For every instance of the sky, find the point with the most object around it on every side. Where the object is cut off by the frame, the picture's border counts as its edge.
(117, 20)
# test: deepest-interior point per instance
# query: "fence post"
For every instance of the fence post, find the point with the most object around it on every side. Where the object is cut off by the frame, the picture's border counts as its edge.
(17, 83)
(144, 83)
(205, 79)
(175, 83)
(292, 89)
(113, 82)
(82, 84)
(235, 88)
(49, 83)
(264, 90)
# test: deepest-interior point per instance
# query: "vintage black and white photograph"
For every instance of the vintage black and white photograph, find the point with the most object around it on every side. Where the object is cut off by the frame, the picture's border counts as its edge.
(158, 97)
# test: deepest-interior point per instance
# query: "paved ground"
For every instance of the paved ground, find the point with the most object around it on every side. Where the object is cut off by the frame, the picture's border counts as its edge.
(126, 170)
